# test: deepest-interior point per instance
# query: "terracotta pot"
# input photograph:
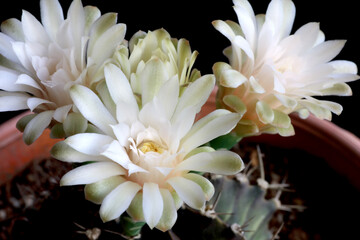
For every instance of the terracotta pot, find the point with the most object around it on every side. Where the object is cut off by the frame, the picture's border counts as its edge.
(15, 154)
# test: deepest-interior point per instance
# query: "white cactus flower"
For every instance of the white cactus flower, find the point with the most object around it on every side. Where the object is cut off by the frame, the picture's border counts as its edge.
(40, 61)
(272, 73)
(142, 156)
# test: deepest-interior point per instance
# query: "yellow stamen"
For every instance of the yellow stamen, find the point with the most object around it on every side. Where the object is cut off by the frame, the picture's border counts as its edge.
(151, 147)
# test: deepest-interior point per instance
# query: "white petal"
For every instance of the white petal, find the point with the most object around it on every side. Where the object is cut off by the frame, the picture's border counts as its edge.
(36, 126)
(119, 86)
(152, 78)
(169, 215)
(168, 95)
(118, 154)
(61, 113)
(196, 93)
(92, 108)
(6, 47)
(89, 143)
(218, 162)
(190, 192)
(35, 102)
(51, 16)
(96, 192)
(106, 44)
(215, 124)
(13, 101)
(63, 152)
(116, 202)
(91, 173)
(122, 133)
(33, 30)
(204, 183)
(152, 204)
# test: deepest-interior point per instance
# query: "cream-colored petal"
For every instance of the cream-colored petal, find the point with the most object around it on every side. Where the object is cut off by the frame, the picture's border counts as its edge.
(36, 126)
(118, 200)
(189, 191)
(91, 173)
(218, 162)
(89, 143)
(92, 108)
(97, 191)
(169, 214)
(152, 204)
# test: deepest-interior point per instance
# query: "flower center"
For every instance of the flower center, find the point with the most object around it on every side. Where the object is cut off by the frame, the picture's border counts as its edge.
(151, 147)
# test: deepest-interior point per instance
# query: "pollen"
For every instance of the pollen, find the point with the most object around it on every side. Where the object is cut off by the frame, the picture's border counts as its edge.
(151, 147)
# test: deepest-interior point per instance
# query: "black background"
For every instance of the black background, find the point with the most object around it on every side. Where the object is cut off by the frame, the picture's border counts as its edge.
(191, 19)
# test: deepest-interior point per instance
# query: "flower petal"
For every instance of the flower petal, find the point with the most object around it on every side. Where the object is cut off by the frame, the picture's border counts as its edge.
(51, 16)
(190, 192)
(97, 191)
(204, 183)
(116, 202)
(169, 214)
(92, 108)
(152, 204)
(63, 152)
(218, 162)
(89, 143)
(119, 86)
(36, 126)
(91, 173)
(215, 124)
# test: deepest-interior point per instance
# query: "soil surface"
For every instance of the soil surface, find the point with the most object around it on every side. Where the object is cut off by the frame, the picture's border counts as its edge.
(34, 206)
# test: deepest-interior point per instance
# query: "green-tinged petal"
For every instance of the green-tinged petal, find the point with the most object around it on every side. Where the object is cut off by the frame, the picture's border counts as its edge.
(218, 162)
(61, 113)
(317, 110)
(63, 152)
(13, 28)
(338, 89)
(117, 201)
(204, 183)
(91, 173)
(106, 44)
(135, 209)
(92, 108)
(189, 191)
(255, 86)
(215, 124)
(199, 150)
(152, 78)
(286, 132)
(224, 28)
(264, 112)
(91, 15)
(96, 192)
(232, 79)
(169, 214)
(281, 120)
(103, 91)
(152, 204)
(21, 124)
(286, 101)
(177, 200)
(235, 103)
(246, 128)
(75, 123)
(57, 131)
(196, 93)
(89, 143)
(36, 126)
